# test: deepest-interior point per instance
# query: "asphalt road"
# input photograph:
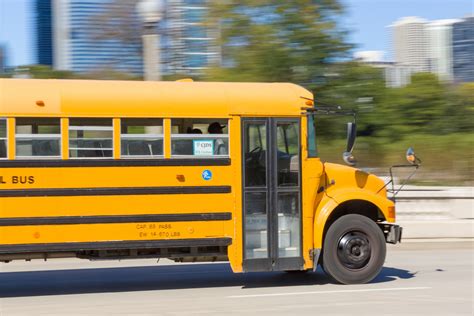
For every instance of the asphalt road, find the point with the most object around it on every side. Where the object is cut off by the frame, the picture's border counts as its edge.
(434, 278)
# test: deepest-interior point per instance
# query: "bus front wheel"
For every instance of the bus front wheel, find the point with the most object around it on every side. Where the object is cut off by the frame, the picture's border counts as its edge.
(354, 250)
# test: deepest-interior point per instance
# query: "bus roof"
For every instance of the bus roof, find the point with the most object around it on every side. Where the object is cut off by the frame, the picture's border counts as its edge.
(92, 98)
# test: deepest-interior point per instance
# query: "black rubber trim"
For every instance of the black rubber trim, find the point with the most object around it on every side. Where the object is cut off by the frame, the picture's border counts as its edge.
(114, 163)
(114, 245)
(115, 191)
(114, 219)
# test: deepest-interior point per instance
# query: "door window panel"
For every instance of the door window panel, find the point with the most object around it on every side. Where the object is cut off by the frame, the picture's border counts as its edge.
(288, 148)
(255, 155)
(256, 225)
(288, 224)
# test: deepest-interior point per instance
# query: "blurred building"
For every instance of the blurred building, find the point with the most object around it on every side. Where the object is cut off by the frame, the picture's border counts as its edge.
(77, 44)
(369, 56)
(187, 46)
(2, 59)
(410, 43)
(443, 47)
(440, 48)
(44, 32)
(396, 75)
(463, 50)
(68, 38)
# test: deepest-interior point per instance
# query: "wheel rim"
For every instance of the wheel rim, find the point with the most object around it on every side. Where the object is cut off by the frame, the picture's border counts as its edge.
(353, 250)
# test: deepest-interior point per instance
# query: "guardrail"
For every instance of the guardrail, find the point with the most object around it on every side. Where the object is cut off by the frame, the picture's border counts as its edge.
(436, 212)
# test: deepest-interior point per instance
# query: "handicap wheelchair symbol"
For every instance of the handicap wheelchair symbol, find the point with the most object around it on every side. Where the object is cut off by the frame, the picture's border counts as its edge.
(207, 175)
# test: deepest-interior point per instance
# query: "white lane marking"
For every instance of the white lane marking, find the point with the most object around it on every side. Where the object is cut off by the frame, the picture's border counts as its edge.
(331, 292)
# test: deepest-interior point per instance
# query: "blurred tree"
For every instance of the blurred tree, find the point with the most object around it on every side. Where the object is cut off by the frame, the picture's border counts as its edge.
(119, 23)
(109, 74)
(461, 113)
(418, 107)
(423, 103)
(272, 40)
(357, 87)
(45, 72)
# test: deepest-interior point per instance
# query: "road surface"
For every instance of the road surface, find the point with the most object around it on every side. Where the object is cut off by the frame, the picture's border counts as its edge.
(434, 278)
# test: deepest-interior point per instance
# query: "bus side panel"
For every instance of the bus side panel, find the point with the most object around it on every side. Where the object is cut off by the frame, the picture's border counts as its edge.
(235, 251)
(40, 196)
(312, 168)
(45, 234)
(106, 177)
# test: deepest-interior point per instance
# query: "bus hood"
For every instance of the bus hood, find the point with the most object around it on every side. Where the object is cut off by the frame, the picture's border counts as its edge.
(340, 177)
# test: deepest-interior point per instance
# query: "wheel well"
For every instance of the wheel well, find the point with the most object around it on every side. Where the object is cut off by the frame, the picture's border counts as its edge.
(360, 207)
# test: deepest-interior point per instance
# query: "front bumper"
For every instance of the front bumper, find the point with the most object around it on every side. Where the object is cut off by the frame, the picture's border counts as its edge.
(393, 233)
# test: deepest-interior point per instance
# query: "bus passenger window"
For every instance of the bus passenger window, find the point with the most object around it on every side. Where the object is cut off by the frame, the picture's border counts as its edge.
(38, 138)
(3, 138)
(199, 138)
(141, 138)
(90, 138)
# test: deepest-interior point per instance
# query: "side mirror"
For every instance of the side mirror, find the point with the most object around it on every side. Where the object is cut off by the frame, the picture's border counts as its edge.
(411, 157)
(351, 137)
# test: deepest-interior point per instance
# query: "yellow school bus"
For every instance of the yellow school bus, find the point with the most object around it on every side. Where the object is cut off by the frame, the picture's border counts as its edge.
(189, 171)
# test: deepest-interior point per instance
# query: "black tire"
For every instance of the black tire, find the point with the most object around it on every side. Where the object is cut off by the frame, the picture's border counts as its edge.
(354, 250)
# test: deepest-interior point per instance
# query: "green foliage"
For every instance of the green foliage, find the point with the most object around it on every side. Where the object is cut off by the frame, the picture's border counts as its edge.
(446, 159)
(45, 72)
(422, 103)
(426, 106)
(356, 87)
(272, 40)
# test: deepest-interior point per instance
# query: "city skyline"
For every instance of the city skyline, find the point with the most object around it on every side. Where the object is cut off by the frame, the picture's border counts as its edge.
(366, 20)
(80, 43)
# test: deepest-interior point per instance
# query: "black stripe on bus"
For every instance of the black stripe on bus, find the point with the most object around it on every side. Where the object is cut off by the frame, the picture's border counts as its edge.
(114, 191)
(114, 245)
(114, 219)
(114, 163)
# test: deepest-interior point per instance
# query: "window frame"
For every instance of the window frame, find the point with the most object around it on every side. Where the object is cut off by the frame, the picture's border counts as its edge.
(5, 138)
(184, 136)
(20, 136)
(311, 138)
(142, 136)
(95, 128)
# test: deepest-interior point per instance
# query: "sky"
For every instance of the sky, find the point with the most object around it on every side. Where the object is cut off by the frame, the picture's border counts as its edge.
(16, 31)
(367, 21)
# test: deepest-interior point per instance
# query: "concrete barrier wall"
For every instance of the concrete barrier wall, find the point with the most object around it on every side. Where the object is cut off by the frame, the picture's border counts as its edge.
(436, 212)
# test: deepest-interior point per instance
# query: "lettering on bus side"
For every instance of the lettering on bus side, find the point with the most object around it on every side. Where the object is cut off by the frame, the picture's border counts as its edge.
(157, 231)
(17, 180)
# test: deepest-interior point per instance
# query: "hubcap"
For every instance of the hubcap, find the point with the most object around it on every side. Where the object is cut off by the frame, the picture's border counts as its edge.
(353, 250)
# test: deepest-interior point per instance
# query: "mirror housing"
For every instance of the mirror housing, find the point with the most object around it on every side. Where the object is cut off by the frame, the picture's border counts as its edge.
(351, 137)
(411, 157)
(349, 159)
